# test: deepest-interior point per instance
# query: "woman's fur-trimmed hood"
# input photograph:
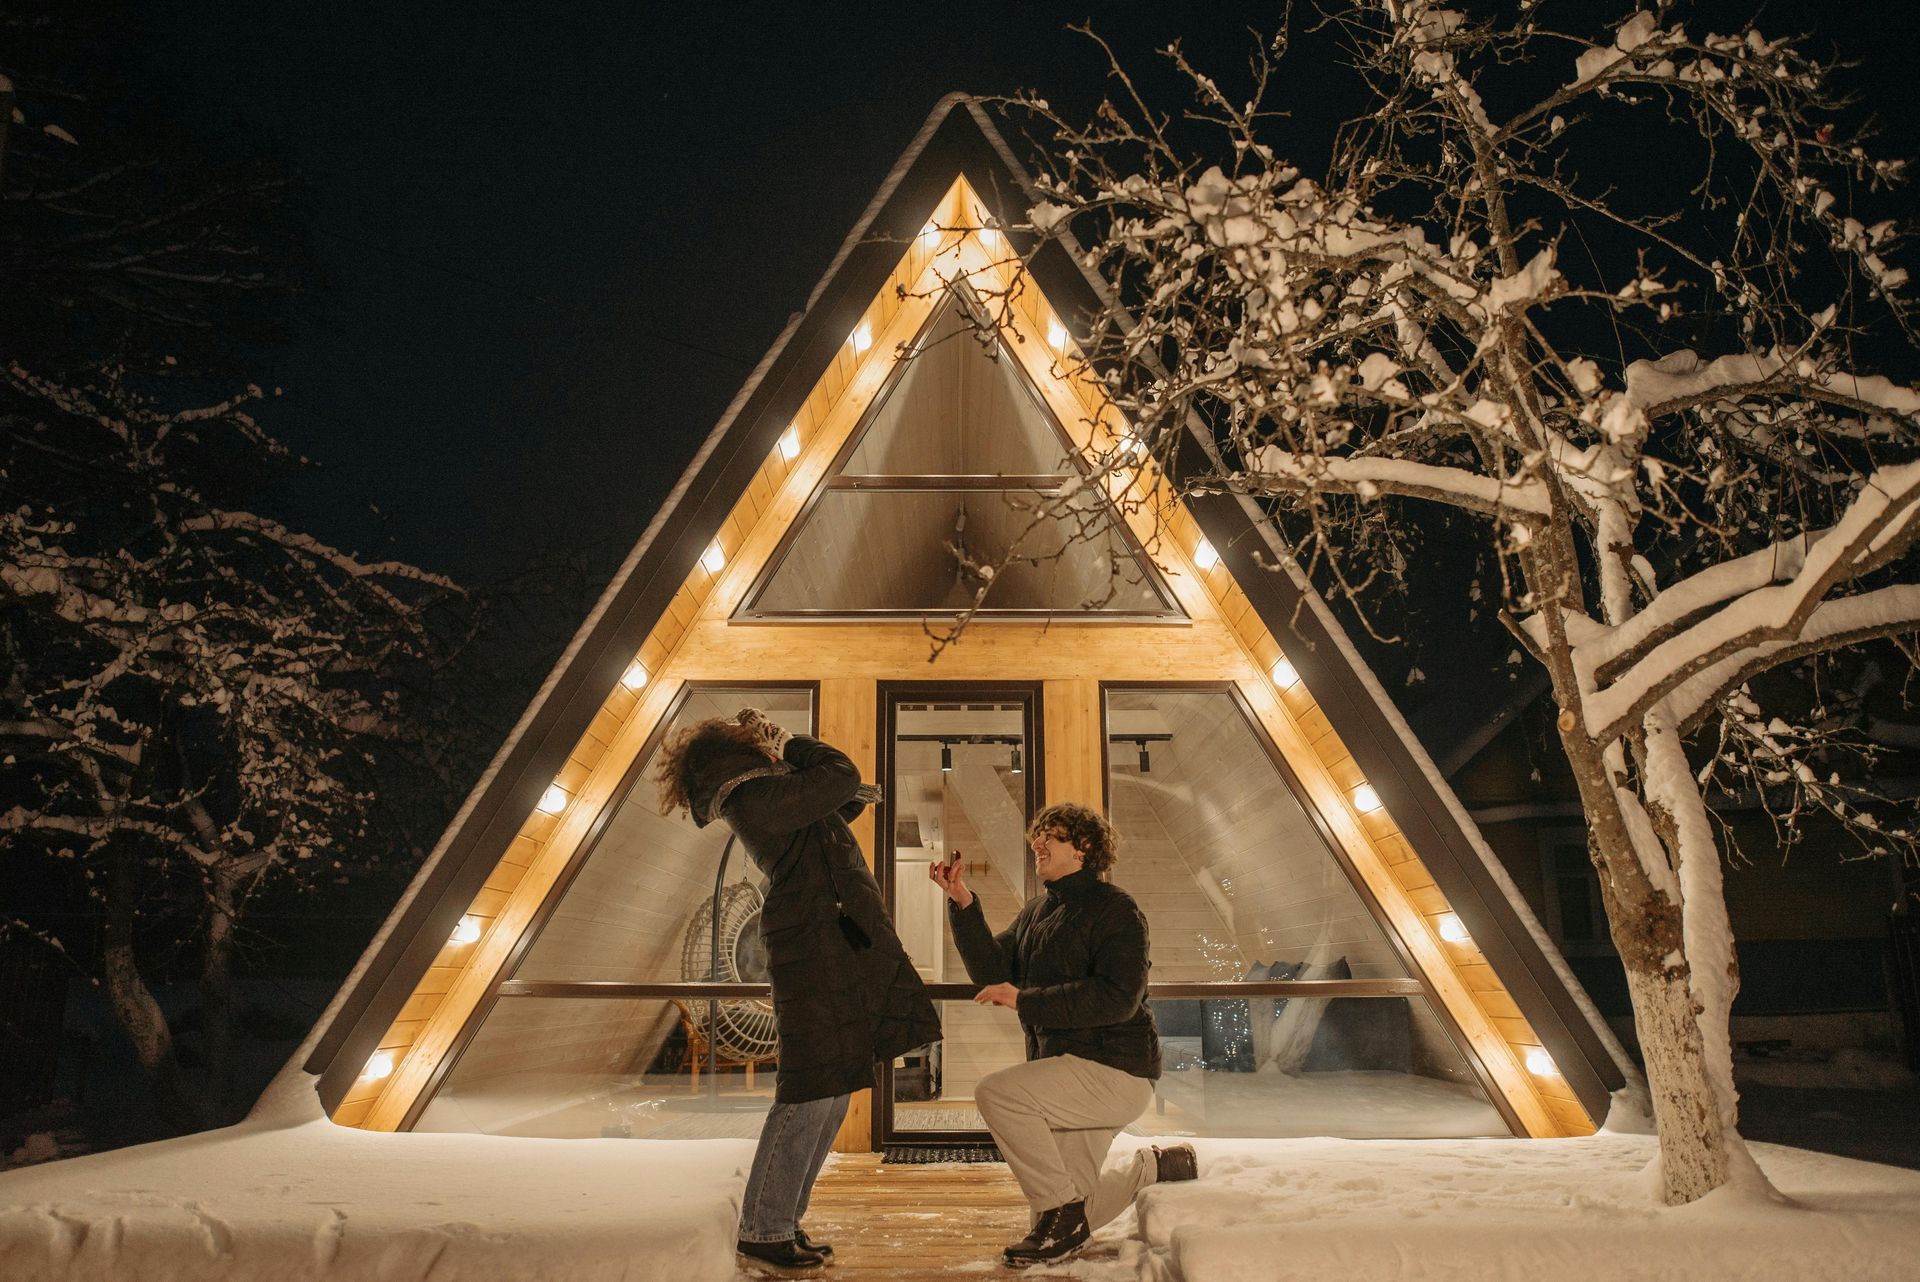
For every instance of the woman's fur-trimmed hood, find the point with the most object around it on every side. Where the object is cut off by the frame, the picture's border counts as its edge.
(713, 769)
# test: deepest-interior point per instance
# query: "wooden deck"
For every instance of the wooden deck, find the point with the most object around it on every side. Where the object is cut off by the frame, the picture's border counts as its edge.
(918, 1223)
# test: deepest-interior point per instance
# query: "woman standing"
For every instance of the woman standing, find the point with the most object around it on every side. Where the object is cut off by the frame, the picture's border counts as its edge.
(844, 992)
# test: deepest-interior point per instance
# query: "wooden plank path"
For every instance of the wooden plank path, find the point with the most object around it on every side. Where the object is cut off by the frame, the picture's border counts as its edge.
(918, 1223)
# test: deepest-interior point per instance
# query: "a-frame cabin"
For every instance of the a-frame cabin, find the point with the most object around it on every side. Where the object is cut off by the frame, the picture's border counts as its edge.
(1335, 951)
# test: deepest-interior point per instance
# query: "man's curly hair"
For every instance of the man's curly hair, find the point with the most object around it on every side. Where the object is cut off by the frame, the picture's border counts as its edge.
(1084, 829)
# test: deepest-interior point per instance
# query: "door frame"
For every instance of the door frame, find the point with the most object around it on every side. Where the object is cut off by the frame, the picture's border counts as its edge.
(889, 695)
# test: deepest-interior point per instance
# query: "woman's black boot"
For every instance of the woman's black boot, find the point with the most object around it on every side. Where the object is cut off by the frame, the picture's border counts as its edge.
(780, 1258)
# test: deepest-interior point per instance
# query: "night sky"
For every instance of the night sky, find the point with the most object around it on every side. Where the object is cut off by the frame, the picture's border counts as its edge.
(551, 239)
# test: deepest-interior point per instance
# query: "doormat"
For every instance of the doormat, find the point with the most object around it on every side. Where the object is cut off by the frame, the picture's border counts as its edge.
(928, 1155)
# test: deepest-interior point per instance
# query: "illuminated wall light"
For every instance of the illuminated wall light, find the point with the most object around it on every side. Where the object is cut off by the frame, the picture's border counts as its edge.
(862, 338)
(1453, 930)
(1365, 799)
(1204, 556)
(1541, 1064)
(790, 444)
(379, 1067)
(1056, 335)
(1284, 674)
(929, 236)
(991, 240)
(635, 677)
(1132, 445)
(553, 800)
(467, 932)
(713, 558)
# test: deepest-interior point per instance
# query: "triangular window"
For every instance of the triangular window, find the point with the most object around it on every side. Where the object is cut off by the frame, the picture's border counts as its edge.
(959, 468)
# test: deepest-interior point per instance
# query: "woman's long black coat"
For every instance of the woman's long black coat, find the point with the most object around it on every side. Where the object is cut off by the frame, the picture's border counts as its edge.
(838, 1008)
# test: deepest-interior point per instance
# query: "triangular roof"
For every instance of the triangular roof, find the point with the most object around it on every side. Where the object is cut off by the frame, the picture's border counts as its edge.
(1517, 985)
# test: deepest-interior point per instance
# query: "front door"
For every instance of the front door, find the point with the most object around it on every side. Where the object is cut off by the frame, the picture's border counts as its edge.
(961, 771)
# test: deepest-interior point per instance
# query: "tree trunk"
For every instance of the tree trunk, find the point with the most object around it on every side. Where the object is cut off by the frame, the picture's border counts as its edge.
(216, 987)
(1693, 1144)
(133, 1003)
(1648, 932)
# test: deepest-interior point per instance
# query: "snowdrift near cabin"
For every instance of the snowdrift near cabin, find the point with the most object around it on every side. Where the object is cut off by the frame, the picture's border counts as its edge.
(1580, 1210)
(323, 1201)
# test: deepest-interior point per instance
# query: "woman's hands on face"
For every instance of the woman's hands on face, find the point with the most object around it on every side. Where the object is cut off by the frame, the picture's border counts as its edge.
(950, 879)
(770, 734)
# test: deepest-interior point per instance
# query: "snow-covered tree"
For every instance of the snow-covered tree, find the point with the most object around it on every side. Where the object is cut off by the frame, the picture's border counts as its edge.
(196, 701)
(1612, 294)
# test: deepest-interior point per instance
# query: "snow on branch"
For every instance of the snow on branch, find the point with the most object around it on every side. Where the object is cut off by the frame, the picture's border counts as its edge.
(1270, 469)
(1880, 524)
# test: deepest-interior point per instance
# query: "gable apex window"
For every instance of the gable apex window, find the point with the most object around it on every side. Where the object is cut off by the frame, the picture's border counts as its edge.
(958, 480)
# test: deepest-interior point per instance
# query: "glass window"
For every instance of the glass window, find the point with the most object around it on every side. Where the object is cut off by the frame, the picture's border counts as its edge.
(958, 407)
(1230, 868)
(584, 1068)
(918, 551)
(639, 907)
(958, 466)
(1353, 1067)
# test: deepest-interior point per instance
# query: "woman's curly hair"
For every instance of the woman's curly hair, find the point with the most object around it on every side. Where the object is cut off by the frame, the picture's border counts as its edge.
(1084, 829)
(670, 768)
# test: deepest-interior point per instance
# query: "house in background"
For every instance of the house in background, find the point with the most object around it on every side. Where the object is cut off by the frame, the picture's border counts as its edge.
(1824, 937)
(1334, 949)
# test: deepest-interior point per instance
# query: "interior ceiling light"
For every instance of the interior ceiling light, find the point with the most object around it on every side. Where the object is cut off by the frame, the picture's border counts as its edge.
(1146, 762)
(1016, 759)
(946, 756)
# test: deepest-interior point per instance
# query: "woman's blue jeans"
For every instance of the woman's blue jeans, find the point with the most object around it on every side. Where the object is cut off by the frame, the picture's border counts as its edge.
(793, 1147)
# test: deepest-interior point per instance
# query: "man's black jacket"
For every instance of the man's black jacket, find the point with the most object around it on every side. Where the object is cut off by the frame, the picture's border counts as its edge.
(1078, 955)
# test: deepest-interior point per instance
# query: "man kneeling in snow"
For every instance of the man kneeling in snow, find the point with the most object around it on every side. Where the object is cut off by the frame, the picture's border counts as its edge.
(1073, 966)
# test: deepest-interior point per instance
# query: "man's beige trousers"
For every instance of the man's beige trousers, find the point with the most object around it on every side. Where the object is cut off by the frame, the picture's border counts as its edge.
(1055, 1120)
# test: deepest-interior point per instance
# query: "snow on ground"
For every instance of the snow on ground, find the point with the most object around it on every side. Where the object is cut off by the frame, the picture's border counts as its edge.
(264, 1202)
(1504, 1211)
(313, 1201)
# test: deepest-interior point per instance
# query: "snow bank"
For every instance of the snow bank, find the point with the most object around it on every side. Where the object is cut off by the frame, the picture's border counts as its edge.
(317, 1200)
(1516, 1211)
